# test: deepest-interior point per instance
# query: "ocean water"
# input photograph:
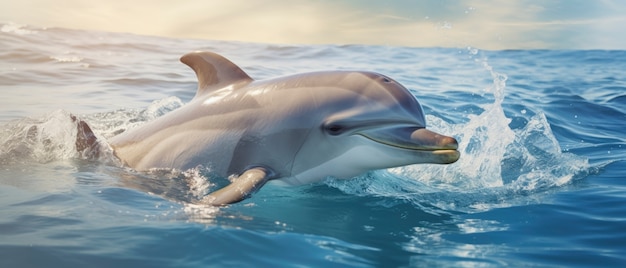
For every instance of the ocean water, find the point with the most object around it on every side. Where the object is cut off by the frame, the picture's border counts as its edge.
(541, 180)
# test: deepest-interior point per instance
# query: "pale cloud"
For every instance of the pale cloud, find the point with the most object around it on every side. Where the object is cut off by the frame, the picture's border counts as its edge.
(487, 24)
(560, 24)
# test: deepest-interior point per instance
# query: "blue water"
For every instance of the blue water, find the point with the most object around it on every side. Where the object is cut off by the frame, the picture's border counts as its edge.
(541, 180)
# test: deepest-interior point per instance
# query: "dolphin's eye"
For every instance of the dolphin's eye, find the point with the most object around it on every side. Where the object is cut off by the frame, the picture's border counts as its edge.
(334, 129)
(386, 80)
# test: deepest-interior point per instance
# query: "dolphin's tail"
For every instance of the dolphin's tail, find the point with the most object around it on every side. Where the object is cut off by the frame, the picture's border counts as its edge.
(87, 144)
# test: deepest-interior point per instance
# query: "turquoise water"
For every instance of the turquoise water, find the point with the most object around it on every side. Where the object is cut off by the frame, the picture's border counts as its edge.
(541, 180)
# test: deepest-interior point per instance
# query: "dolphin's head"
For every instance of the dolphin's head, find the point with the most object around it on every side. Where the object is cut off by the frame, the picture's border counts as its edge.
(367, 122)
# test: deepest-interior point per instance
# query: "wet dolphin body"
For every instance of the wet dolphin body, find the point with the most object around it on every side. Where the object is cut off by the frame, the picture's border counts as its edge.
(297, 129)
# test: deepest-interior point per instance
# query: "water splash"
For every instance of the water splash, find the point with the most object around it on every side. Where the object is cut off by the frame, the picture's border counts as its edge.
(184, 187)
(494, 155)
(483, 143)
(109, 124)
(56, 136)
(482, 151)
(535, 160)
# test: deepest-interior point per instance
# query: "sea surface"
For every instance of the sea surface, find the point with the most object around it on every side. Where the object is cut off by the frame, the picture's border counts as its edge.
(541, 180)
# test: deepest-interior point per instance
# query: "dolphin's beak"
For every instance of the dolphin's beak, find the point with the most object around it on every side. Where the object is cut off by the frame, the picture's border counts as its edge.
(444, 148)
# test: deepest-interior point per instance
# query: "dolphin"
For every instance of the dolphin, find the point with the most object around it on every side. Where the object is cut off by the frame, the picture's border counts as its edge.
(296, 129)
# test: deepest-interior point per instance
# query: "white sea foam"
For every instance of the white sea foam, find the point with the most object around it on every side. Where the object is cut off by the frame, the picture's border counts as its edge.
(48, 138)
(17, 29)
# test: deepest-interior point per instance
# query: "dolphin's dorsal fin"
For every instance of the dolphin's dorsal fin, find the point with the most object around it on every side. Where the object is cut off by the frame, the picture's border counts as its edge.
(213, 71)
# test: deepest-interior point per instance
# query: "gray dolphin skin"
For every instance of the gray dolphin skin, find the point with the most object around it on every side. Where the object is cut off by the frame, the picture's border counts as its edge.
(297, 129)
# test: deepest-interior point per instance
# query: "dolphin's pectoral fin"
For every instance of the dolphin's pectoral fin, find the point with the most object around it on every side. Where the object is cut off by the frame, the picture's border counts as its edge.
(241, 188)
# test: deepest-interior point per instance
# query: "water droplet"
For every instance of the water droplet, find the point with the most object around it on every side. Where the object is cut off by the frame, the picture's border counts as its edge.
(472, 51)
(446, 25)
(523, 111)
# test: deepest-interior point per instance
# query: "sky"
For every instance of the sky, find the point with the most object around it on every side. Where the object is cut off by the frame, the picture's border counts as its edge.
(483, 24)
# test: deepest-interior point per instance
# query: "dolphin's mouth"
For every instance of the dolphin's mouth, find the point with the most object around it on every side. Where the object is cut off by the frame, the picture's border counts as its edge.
(417, 139)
